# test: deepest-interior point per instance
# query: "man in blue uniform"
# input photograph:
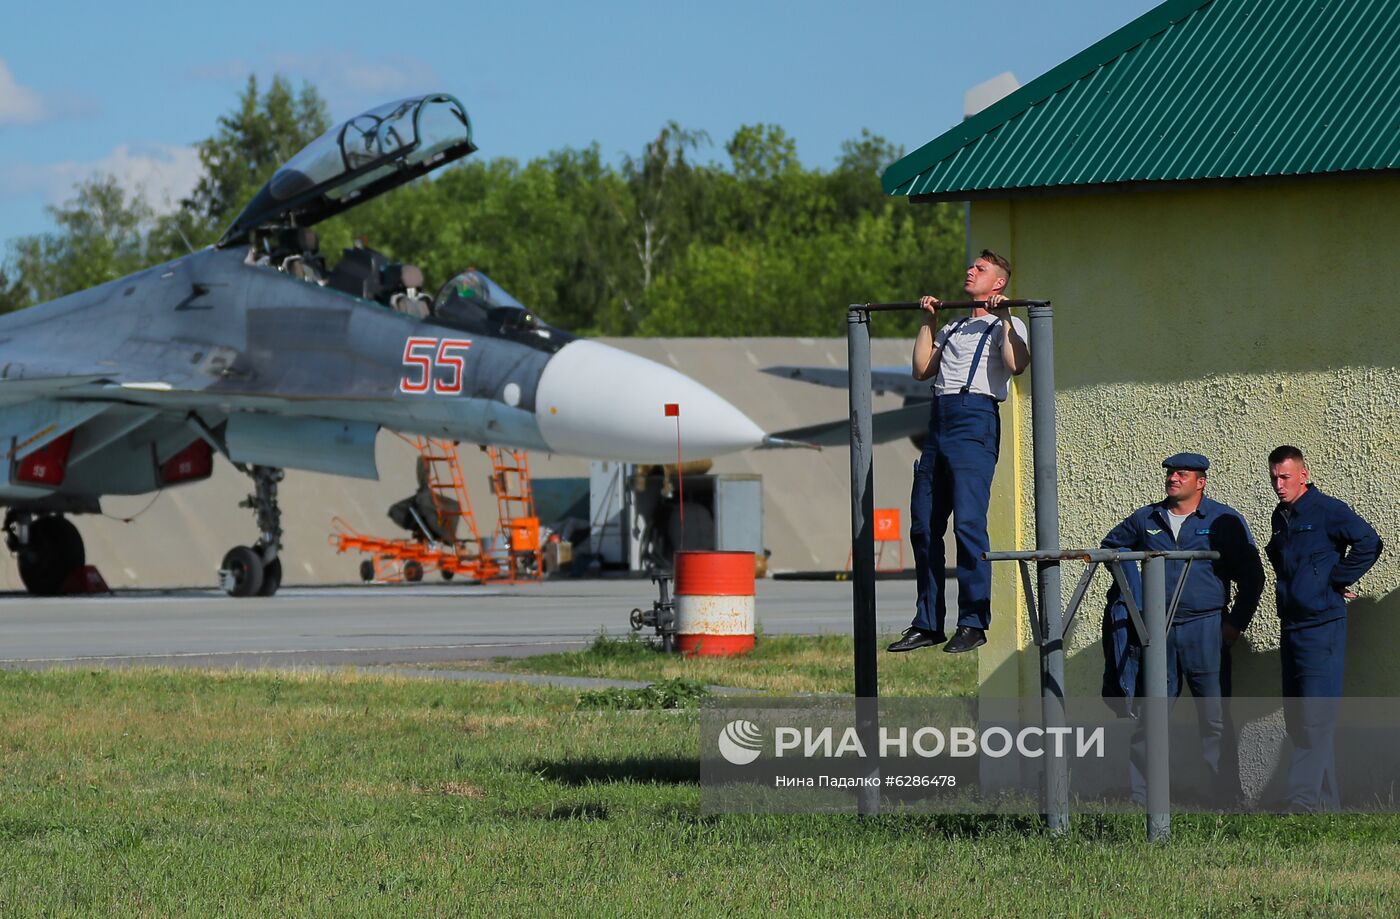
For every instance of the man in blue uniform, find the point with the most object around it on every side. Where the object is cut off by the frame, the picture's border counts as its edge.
(1319, 548)
(971, 361)
(1206, 622)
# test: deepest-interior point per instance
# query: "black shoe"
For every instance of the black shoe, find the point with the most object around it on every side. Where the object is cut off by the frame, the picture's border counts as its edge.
(965, 639)
(915, 637)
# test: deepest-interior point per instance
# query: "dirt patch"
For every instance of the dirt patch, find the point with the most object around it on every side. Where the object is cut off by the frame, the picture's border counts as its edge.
(362, 789)
(477, 724)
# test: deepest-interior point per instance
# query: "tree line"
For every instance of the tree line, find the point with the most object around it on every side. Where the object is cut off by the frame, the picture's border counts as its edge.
(665, 242)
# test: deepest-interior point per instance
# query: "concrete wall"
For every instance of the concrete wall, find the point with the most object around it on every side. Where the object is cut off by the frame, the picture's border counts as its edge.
(181, 537)
(1221, 321)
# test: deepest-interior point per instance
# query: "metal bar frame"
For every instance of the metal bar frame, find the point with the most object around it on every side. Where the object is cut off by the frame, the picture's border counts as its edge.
(1151, 629)
(1154, 665)
(1129, 601)
(1100, 555)
(1113, 558)
(909, 305)
(1047, 536)
(1077, 597)
(1176, 592)
(1049, 623)
(867, 684)
(1032, 611)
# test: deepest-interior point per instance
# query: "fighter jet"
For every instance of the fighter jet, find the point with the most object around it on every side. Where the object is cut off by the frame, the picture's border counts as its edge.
(258, 351)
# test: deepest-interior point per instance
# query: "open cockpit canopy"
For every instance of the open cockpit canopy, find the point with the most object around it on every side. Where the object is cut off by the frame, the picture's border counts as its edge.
(356, 160)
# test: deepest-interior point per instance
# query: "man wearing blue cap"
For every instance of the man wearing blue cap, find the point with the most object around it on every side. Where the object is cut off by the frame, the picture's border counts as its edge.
(1206, 621)
(1318, 549)
(971, 361)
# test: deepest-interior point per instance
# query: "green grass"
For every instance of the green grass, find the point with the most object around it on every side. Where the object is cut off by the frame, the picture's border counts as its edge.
(156, 793)
(674, 693)
(779, 664)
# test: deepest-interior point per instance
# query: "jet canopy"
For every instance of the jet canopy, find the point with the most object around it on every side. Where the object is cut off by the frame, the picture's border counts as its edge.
(475, 303)
(356, 160)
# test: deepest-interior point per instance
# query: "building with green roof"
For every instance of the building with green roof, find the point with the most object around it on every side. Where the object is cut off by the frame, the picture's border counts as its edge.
(1208, 195)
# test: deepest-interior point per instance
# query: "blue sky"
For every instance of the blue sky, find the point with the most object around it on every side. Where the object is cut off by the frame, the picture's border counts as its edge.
(127, 87)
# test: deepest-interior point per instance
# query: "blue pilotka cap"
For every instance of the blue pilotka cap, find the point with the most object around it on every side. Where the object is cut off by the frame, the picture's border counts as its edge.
(1191, 461)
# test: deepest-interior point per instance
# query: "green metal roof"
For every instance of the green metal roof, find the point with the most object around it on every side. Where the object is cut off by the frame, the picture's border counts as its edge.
(1193, 90)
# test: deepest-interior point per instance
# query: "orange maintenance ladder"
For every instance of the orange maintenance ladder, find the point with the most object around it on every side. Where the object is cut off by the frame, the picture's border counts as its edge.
(517, 525)
(449, 492)
(408, 559)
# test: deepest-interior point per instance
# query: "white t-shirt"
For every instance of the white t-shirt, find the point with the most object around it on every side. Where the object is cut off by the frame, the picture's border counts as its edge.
(992, 376)
(1176, 522)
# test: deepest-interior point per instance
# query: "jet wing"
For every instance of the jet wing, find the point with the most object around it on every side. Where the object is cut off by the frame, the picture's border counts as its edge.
(158, 394)
(25, 389)
(909, 421)
(896, 380)
(105, 422)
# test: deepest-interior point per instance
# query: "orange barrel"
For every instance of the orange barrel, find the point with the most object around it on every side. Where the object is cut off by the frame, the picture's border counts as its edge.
(714, 603)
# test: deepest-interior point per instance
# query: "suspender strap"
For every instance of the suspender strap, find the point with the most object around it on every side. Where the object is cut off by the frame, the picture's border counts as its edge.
(951, 332)
(977, 355)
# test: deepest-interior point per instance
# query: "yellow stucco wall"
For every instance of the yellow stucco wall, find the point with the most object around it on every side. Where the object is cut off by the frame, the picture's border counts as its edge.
(1221, 321)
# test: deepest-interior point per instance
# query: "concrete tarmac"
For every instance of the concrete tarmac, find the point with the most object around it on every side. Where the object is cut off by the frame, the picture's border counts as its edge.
(367, 625)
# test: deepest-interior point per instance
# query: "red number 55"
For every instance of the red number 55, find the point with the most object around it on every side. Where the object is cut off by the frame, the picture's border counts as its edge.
(420, 355)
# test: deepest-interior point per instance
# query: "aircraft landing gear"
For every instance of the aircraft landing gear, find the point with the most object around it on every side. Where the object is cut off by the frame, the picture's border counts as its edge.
(256, 571)
(48, 548)
(661, 616)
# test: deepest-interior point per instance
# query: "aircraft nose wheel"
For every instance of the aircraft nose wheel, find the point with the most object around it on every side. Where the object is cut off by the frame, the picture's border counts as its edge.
(242, 572)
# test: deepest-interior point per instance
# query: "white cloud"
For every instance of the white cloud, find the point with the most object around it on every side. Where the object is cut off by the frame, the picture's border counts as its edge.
(160, 173)
(343, 78)
(338, 72)
(17, 103)
(232, 70)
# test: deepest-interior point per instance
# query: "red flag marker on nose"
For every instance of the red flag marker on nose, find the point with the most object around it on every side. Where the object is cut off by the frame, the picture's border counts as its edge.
(673, 410)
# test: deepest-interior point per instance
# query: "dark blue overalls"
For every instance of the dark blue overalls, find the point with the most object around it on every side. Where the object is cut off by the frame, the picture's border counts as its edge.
(1197, 655)
(1318, 548)
(953, 477)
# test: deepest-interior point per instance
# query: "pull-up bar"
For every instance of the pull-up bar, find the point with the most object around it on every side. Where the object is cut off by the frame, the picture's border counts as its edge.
(1047, 529)
(1047, 620)
(942, 304)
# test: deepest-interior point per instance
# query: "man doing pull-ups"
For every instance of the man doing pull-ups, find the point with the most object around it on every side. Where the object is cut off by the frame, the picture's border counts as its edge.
(971, 361)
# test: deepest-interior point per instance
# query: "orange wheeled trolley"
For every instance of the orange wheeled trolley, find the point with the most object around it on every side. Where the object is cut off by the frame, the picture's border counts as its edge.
(447, 537)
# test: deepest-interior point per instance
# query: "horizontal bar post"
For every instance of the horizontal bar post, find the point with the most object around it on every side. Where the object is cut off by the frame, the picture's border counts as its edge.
(1097, 555)
(942, 304)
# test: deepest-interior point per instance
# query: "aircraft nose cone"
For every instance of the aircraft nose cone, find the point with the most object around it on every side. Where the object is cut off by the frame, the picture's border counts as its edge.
(598, 401)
